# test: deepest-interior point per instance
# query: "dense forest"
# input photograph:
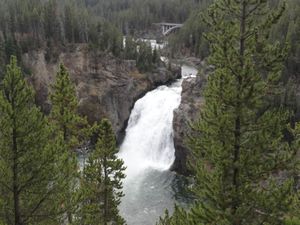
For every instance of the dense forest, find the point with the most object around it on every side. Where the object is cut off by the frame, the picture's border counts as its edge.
(28, 25)
(133, 15)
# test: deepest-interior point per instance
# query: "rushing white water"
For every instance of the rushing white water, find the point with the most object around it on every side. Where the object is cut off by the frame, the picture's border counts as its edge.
(154, 44)
(149, 135)
(188, 71)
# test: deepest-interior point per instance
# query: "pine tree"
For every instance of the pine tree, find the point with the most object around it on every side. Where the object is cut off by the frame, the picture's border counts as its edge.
(102, 181)
(69, 23)
(179, 217)
(238, 148)
(2, 58)
(74, 130)
(64, 112)
(29, 172)
(51, 21)
(155, 56)
(130, 51)
(144, 57)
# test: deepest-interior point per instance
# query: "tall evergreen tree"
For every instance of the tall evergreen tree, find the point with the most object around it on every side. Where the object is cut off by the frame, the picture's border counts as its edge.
(30, 181)
(239, 153)
(64, 113)
(69, 23)
(155, 56)
(73, 128)
(102, 181)
(51, 21)
(144, 58)
(130, 51)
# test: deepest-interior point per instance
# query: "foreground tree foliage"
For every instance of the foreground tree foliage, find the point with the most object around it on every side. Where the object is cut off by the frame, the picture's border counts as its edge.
(179, 217)
(64, 113)
(74, 130)
(244, 169)
(101, 183)
(30, 181)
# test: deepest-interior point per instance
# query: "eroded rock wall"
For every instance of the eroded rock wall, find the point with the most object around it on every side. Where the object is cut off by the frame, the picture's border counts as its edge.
(187, 113)
(106, 86)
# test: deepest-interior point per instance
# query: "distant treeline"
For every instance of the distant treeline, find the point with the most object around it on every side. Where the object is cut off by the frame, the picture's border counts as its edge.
(132, 15)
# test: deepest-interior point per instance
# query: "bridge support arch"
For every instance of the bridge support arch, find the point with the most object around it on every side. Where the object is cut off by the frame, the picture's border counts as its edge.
(167, 28)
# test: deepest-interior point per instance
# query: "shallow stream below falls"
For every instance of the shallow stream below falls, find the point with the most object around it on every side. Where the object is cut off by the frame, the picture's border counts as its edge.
(148, 152)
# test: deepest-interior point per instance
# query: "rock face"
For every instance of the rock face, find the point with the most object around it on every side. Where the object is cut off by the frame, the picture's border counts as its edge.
(106, 86)
(188, 111)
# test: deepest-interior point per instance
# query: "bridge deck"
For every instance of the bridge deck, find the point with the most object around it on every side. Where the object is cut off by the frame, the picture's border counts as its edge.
(169, 24)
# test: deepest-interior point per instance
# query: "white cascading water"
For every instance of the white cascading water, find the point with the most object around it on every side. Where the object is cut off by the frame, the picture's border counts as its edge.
(149, 135)
(148, 152)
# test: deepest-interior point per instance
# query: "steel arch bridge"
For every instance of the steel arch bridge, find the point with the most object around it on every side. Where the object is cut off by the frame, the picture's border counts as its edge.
(167, 28)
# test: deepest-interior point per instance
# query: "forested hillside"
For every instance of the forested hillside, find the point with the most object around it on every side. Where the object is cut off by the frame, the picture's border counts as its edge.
(133, 15)
(28, 25)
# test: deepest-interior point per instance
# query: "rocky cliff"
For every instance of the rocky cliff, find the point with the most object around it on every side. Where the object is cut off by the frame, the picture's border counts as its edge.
(106, 86)
(188, 111)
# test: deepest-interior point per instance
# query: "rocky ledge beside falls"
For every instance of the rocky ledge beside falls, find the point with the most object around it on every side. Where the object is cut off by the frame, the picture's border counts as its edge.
(106, 86)
(192, 100)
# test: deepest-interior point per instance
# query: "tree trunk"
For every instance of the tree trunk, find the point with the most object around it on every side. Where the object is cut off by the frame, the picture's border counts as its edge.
(237, 132)
(15, 178)
(105, 192)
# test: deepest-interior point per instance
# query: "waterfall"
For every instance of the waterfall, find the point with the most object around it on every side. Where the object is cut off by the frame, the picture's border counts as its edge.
(148, 152)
